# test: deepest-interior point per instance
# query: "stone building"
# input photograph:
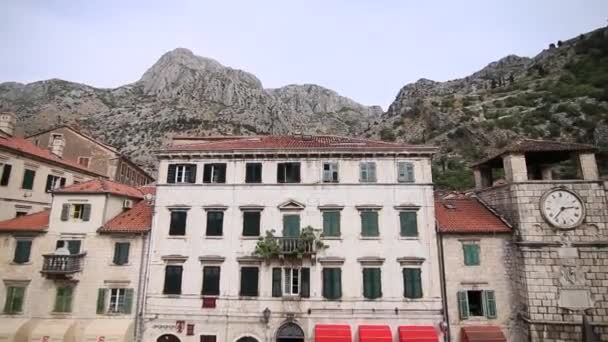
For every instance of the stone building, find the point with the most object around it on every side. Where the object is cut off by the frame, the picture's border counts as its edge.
(369, 203)
(561, 235)
(93, 155)
(29, 173)
(73, 272)
(475, 248)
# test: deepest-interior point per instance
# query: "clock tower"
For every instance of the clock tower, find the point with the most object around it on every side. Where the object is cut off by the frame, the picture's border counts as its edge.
(559, 254)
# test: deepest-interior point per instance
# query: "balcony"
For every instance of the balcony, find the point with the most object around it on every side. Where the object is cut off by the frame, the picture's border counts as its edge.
(289, 246)
(62, 265)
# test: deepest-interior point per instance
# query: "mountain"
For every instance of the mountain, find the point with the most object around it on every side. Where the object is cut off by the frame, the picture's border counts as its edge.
(183, 94)
(562, 93)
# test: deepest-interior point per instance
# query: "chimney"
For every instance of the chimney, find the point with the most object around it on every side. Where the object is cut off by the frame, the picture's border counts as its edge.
(8, 121)
(57, 146)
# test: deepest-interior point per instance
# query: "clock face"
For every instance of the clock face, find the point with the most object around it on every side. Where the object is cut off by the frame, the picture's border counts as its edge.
(562, 208)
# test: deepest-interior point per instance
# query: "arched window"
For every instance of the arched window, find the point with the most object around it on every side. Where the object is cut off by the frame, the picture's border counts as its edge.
(290, 332)
(168, 338)
(247, 339)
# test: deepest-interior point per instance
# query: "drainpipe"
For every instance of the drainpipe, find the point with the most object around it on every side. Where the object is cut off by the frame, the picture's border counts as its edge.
(444, 292)
(144, 276)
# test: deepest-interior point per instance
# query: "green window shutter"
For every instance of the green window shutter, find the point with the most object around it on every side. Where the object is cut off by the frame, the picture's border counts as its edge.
(128, 301)
(65, 212)
(291, 225)
(28, 179)
(372, 284)
(63, 301)
(331, 223)
(121, 253)
(14, 299)
(305, 281)
(8, 304)
(249, 281)
(177, 225)
(251, 223)
(409, 223)
(6, 174)
(276, 282)
(173, 279)
(211, 280)
(171, 171)
(215, 222)
(74, 246)
(332, 283)
(86, 212)
(471, 254)
(463, 305)
(412, 283)
(369, 223)
(490, 304)
(101, 301)
(22, 251)
(49, 183)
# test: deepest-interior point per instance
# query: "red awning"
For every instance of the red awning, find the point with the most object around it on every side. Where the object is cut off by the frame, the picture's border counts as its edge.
(482, 334)
(332, 333)
(417, 333)
(375, 333)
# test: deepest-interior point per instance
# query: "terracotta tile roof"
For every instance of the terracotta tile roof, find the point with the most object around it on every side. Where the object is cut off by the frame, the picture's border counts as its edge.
(291, 142)
(135, 220)
(102, 186)
(37, 222)
(462, 214)
(24, 146)
(534, 145)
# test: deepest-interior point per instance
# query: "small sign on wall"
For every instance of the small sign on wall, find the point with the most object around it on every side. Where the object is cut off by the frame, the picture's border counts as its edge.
(190, 330)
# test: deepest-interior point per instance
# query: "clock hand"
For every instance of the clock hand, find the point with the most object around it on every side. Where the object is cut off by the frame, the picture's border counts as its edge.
(560, 211)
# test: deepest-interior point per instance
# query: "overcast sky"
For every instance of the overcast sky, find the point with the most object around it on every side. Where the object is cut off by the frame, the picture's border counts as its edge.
(366, 50)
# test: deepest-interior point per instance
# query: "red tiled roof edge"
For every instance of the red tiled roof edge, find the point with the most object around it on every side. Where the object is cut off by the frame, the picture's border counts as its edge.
(136, 220)
(506, 227)
(32, 223)
(102, 186)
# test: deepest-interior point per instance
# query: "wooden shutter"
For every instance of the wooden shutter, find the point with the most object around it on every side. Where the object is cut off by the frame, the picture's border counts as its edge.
(305, 282)
(18, 294)
(372, 172)
(101, 301)
(463, 305)
(121, 253)
(178, 223)
(49, 183)
(74, 246)
(409, 223)
(28, 179)
(412, 283)
(331, 223)
(490, 304)
(295, 174)
(249, 281)
(128, 301)
(62, 182)
(63, 302)
(65, 212)
(332, 283)
(6, 174)
(211, 280)
(291, 225)
(173, 279)
(215, 220)
(372, 284)
(86, 212)
(471, 254)
(369, 223)
(171, 171)
(22, 251)
(276, 282)
(253, 173)
(207, 170)
(8, 305)
(220, 171)
(281, 173)
(251, 223)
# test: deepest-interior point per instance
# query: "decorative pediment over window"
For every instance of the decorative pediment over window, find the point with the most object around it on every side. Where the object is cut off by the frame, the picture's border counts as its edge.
(291, 205)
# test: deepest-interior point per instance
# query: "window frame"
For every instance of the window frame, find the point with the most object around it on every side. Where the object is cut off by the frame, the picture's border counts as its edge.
(406, 173)
(282, 177)
(117, 256)
(5, 177)
(259, 223)
(29, 251)
(206, 291)
(241, 281)
(119, 307)
(81, 159)
(332, 287)
(474, 248)
(178, 288)
(336, 212)
(9, 307)
(414, 295)
(403, 231)
(218, 231)
(364, 166)
(185, 173)
(54, 182)
(215, 176)
(33, 181)
(333, 169)
(292, 278)
(173, 231)
(258, 173)
(362, 213)
(67, 305)
(366, 272)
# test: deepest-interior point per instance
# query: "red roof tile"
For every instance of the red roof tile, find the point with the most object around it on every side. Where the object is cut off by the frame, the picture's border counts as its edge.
(27, 147)
(291, 142)
(102, 186)
(460, 214)
(37, 222)
(135, 220)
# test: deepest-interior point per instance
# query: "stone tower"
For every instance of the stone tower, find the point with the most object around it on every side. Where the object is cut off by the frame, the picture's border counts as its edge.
(560, 265)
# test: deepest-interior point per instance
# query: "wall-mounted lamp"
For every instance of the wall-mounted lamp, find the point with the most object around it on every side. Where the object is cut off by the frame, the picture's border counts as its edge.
(266, 315)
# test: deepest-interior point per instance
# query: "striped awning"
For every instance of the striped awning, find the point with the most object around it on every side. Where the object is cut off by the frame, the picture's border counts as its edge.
(333, 333)
(418, 333)
(375, 333)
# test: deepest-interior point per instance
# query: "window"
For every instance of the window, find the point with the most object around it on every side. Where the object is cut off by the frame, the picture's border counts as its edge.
(211, 281)
(84, 161)
(75, 211)
(22, 251)
(369, 223)
(20, 213)
(120, 301)
(173, 279)
(178, 223)
(28, 179)
(6, 174)
(288, 172)
(54, 182)
(330, 172)
(73, 246)
(476, 303)
(208, 338)
(215, 222)
(405, 172)
(367, 172)
(181, 173)
(253, 173)
(121, 253)
(63, 300)
(412, 284)
(14, 299)
(296, 282)
(292, 281)
(251, 223)
(249, 281)
(471, 254)
(409, 223)
(291, 225)
(332, 283)
(214, 173)
(331, 223)
(372, 284)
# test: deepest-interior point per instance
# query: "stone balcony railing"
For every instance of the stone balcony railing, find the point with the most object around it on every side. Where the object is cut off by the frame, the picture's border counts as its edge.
(62, 265)
(294, 246)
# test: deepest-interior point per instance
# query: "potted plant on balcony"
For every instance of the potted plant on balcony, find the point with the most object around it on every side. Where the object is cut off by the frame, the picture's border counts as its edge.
(307, 243)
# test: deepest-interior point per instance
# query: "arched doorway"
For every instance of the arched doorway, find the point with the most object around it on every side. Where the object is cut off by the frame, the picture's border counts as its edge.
(247, 339)
(290, 332)
(168, 338)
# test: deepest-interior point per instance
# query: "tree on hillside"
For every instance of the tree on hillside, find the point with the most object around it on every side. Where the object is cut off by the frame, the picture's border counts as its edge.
(560, 43)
